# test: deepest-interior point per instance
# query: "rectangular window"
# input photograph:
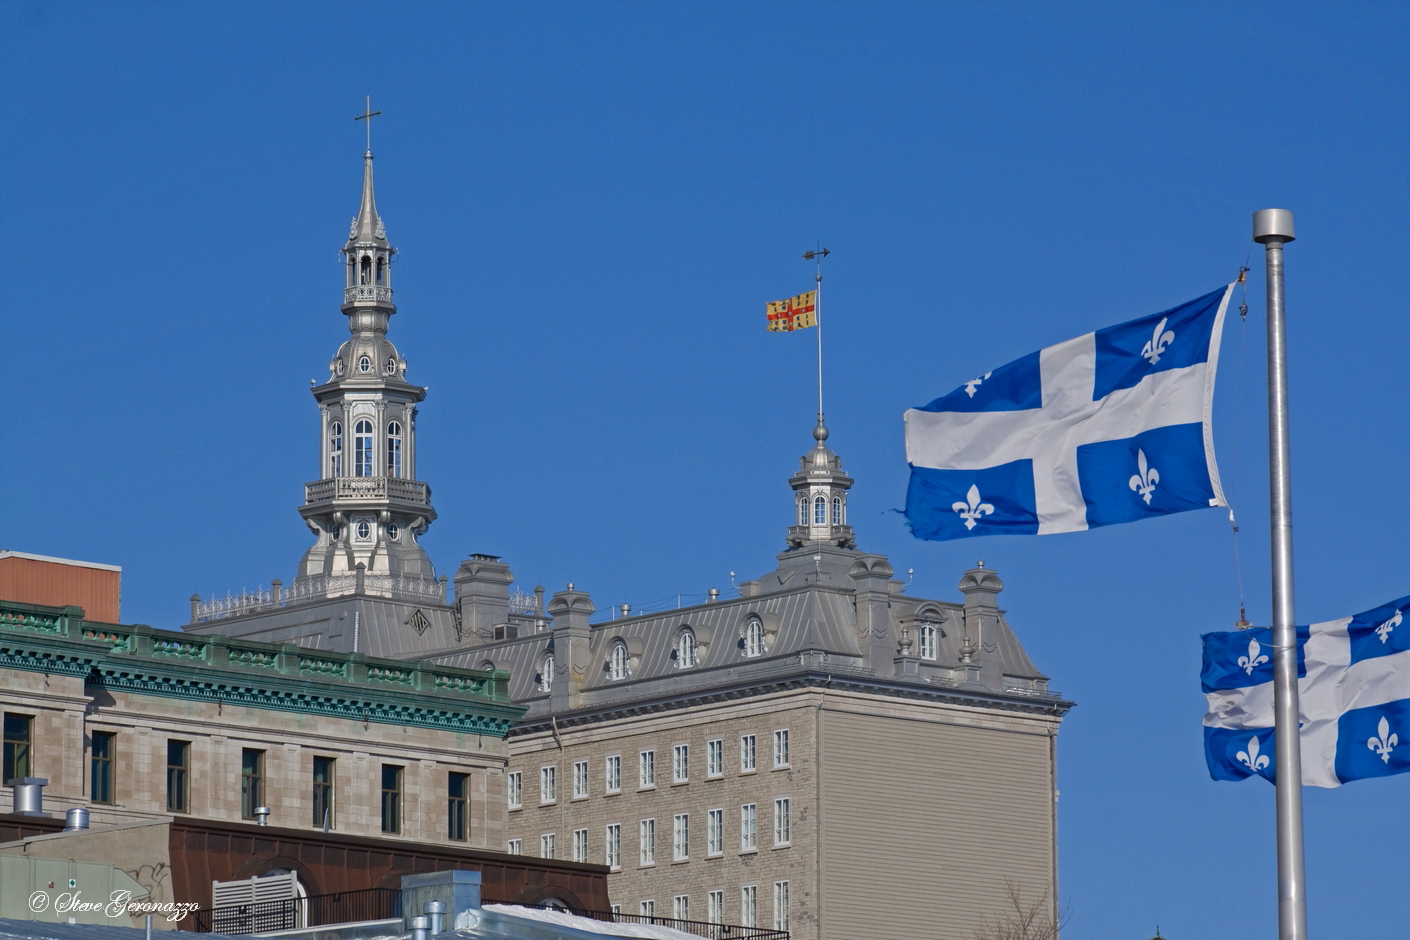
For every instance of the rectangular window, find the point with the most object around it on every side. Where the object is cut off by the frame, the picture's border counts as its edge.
(548, 845)
(715, 758)
(548, 784)
(681, 840)
(715, 832)
(19, 730)
(780, 905)
(178, 775)
(616, 908)
(715, 907)
(514, 846)
(648, 908)
(749, 906)
(580, 779)
(580, 848)
(648, 842)
(746, 754)
(514, 786)
(458, 807)
(613, 855)
(391, 798)
(323, 791)
(748, 814)
(680, 763)
(613, 774)
(781, 748)
(101, 763)
(680, 907)
(781, 826)
(251, 781)
(647, 769)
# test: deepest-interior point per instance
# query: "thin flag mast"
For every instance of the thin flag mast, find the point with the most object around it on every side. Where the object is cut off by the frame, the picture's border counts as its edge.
(818, 256)
(1273, 228)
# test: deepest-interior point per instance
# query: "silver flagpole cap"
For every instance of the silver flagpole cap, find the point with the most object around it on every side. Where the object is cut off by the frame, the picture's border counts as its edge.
(1269, 224)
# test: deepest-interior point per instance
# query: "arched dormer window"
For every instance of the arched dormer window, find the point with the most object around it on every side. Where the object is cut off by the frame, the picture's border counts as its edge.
(394, 449)
(365, 270)
(362, 449)
(819, 511)
(929, 640)
(685, 650)
(487, 666)
(837, 510)
(754, 637)
(335, 449)
(617, 661)
(546, 674)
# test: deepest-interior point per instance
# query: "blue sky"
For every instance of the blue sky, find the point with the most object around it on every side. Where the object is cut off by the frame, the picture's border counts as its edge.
(593, 201)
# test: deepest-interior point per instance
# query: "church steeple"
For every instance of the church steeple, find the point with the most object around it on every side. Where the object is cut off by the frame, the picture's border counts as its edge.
(367, 508)
(820, 497)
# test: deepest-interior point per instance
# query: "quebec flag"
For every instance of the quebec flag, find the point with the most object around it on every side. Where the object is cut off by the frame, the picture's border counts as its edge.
(1354, 694)
(1113, 426)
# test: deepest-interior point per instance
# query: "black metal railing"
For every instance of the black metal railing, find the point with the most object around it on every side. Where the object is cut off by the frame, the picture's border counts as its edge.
(700, 928)
(341, 907)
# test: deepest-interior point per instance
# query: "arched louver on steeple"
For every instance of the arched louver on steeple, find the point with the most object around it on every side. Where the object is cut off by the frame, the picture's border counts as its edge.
(362, 449)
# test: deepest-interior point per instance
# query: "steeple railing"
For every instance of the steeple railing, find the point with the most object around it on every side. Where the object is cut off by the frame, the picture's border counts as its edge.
(367, 293)
(407, 491)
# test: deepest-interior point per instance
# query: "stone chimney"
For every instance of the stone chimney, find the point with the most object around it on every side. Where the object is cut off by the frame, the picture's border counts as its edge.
(482, 596)
(572, 637)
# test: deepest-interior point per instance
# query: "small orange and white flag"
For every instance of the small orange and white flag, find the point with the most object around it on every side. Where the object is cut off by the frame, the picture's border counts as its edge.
(795, 313)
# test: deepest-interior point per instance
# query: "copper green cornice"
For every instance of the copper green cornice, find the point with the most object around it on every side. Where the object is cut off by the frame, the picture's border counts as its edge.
(140, 660)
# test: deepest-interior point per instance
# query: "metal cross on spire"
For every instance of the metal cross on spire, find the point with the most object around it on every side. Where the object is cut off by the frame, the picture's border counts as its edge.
(367, 116)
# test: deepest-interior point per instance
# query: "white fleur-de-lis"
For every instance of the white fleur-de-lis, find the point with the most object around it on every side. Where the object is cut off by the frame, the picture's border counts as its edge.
(1383, 745)
(971, 511)
(1384, 630)
(1145, 481)
(973, 384)
(1158, 342)
(1251, 759)
(1254, 659)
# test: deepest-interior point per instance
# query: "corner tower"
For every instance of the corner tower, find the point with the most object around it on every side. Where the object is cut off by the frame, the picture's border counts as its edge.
(367, 508)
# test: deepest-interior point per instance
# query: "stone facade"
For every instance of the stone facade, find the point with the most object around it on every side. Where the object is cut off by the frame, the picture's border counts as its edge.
(72, 680)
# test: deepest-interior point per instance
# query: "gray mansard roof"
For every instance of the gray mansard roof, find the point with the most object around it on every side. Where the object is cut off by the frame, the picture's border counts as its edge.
(828, 614)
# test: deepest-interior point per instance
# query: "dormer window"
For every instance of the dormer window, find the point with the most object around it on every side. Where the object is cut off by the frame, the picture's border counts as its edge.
(394, 449)
(819, 511)
(685, 650)
(362, 449)
(546, 674)
(837, 510)
(929, 640)
(364, 364)
(754, 638)
(335, 449)
(617, 662)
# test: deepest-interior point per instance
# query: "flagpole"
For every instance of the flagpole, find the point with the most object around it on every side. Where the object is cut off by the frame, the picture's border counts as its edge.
(1274, 228)
(818, 255)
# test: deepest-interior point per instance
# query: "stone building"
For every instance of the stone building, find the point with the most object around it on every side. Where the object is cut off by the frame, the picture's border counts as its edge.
(207, 737)
(821, 751)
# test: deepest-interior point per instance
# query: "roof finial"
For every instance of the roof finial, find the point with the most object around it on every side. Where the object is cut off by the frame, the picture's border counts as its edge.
(367, 116)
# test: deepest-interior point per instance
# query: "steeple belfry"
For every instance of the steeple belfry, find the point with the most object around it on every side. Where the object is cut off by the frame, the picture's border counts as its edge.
(820, 497)
(367, 508)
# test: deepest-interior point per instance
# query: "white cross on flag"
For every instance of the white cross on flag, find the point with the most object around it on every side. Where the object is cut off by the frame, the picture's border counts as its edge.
(1110, 427)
